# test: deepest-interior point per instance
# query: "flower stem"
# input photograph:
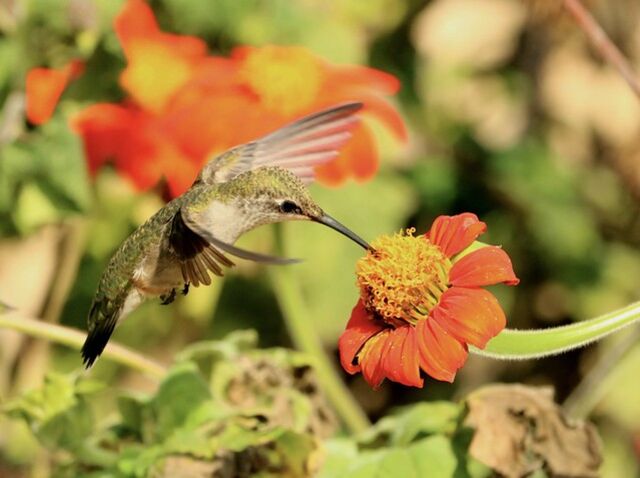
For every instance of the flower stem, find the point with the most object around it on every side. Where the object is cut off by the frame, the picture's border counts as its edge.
(299, 323)
(595, 384)
(602, 43)
(513, 344)
(74, 339)
(298, 320)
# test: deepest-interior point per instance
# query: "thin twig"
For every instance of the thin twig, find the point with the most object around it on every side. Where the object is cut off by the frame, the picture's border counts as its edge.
(593, 386)
(75, 338)
(602, 43)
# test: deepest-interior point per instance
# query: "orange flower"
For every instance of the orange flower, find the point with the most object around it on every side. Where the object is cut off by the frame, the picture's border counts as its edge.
(422, 303)
(44, 87)
(185, 106)
(272, 85)
(158, 63)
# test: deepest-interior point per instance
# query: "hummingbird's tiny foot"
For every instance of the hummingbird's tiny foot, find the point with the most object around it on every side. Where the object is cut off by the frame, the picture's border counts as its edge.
(167, 299)
(185, 289)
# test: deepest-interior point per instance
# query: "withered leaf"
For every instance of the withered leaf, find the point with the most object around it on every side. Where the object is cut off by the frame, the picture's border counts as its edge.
(519, 430)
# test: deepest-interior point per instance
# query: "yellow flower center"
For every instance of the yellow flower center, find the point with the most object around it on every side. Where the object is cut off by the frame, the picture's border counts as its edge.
(404, 278)
(287, 79)
(154, 74)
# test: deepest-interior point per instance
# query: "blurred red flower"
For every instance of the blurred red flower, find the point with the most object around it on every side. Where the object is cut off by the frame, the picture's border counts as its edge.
(185, 106)
(422, 303)
(43, 88)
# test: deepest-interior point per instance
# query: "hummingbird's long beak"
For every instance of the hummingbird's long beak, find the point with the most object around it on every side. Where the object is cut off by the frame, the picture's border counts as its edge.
(335, 225)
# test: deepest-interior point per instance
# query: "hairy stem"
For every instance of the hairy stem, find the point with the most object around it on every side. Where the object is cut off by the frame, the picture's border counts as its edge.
(74, 339)
(513, 344)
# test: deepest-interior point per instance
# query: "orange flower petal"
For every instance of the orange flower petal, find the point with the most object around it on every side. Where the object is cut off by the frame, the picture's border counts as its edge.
(387, 114)
(135, 20)
(104, 129)
(355, 77)
(205, 125)
(372, 357)
(472, 316)
(375, 106)
(159, 64)
(454, 233)
(486, 266)
(43, 90)
(401, 360)
(361, 154)
(44, 87)
(136, 143)
(333, 173)
(358, 158)
(360, 328)
(441, 355)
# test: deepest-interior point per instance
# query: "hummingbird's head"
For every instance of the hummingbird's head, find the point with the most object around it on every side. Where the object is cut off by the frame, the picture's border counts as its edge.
(275, 194)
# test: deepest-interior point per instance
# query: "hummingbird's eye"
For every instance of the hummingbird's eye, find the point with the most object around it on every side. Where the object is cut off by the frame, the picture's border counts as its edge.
(289, 207)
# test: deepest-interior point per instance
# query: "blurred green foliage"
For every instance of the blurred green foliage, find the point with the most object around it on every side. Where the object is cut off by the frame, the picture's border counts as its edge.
(494, 131)
(209, 420)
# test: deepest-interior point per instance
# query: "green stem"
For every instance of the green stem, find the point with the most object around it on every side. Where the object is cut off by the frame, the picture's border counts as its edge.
(597, 382)
(531, 344)
(74, 339)
(300, 326)
(299, 322)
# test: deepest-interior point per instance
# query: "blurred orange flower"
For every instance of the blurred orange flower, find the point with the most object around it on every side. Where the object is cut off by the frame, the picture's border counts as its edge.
(44, 87)
(422, 302)
(185, 106)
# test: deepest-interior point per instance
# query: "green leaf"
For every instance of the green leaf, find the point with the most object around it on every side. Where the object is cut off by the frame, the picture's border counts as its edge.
(340, 453)
(233, 344)
(132, 412)
(413, 422)
(135, 462)
(431, 457)
(43, 177)
(58, 412)
(180, 393)
(425, 419)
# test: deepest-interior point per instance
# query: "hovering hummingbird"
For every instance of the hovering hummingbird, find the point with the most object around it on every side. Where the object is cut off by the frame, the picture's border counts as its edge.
(181, 245)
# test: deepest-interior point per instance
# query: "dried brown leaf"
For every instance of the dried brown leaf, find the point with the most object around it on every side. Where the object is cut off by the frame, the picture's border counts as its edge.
(519, 430)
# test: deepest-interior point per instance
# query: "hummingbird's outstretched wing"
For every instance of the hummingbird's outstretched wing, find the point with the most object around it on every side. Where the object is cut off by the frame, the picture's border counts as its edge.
(200, 252)
(194, 253)
(298, 147)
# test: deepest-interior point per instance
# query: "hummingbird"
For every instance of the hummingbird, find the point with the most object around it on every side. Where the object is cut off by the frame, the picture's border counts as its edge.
(191, 238)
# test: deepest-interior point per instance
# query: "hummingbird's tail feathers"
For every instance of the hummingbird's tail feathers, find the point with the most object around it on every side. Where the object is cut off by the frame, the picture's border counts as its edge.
(100, 332)
(300, 146)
